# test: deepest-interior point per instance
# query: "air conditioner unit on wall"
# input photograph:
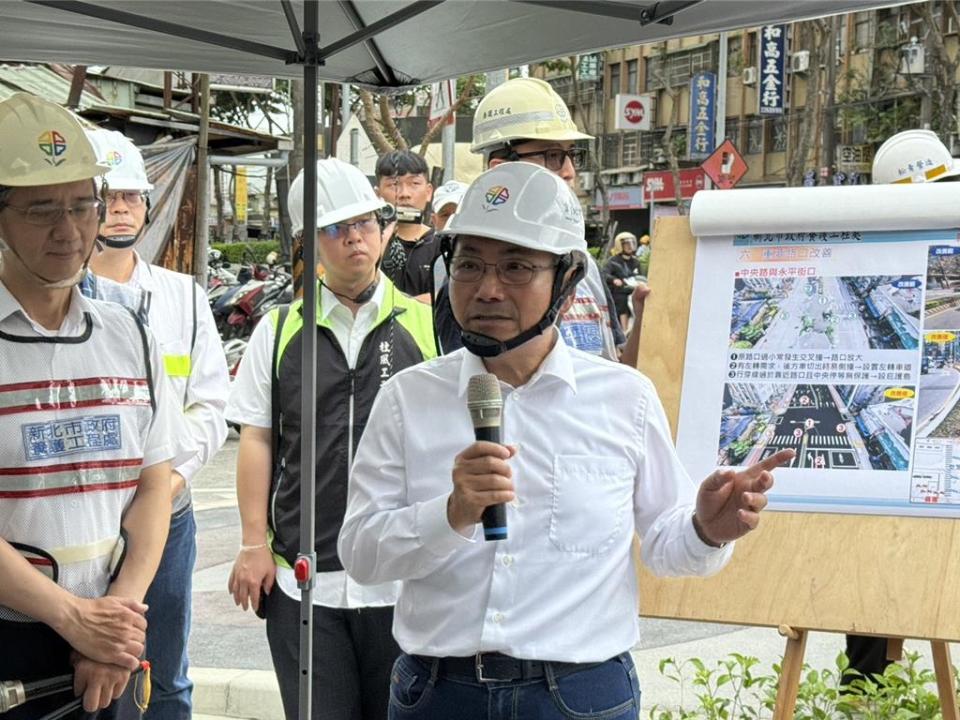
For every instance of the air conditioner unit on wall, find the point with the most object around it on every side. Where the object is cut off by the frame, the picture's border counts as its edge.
(800, 61)
(749, 76)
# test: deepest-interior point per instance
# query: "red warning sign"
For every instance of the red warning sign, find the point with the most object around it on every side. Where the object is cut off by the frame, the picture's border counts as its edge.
(726, 167)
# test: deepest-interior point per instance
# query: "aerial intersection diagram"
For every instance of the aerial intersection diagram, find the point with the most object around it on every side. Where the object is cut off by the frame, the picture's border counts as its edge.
(842, 344)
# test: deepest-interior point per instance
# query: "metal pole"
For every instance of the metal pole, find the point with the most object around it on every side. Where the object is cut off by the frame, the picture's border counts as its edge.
(307, 558)
(449, 139)
(721, 130)
(345, 100)
(200, 230)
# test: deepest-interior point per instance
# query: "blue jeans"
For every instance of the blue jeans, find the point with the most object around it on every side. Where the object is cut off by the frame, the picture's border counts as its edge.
(606, 691)
(168, 621)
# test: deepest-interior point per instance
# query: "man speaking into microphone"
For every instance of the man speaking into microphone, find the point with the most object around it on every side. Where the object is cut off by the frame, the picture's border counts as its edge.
(540, 622)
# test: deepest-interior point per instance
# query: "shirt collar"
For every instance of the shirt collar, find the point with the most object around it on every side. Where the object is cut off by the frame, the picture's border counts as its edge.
(329, 301)
(557, 363)
(142, 276)
(79, 305)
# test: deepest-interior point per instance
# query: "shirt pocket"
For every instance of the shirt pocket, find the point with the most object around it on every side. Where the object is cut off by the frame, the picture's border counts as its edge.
(591, 504)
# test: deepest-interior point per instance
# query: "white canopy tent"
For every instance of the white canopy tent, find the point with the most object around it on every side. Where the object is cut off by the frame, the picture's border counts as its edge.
(377, 43)
(373, 42)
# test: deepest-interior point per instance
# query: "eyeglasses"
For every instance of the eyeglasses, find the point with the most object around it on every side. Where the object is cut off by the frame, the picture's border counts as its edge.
(338, 231)
(82, 211)
(468, 269)
(554, 158)
(132, 198)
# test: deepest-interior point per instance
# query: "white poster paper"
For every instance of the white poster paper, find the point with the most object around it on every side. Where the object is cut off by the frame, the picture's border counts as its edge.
(842, 344)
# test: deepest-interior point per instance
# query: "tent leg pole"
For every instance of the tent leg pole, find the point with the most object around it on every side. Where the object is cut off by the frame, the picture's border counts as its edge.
(307, 558)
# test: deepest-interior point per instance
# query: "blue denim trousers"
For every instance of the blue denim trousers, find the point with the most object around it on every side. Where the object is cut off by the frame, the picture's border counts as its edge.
(605, 691)
(168, 621)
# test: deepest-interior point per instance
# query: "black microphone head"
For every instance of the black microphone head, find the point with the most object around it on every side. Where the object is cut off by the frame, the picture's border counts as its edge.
(484, 401)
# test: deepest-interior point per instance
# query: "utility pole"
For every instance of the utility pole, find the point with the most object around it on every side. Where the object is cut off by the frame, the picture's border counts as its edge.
(828, 140)
(201, 239)
(721, 128)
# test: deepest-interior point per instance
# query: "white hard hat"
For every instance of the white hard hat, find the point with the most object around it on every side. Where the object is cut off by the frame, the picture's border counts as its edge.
(117, 151)
(522, 204)
(449, 192)
(42, 143)
(522, 109)
(913, 156)
(343, 192)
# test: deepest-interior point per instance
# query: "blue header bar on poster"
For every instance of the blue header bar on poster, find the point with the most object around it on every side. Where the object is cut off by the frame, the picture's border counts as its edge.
(703, 110)
(771, 95)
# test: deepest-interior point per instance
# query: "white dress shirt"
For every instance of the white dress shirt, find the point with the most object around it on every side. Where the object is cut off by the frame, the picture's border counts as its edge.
(250, 404)
(595, 462)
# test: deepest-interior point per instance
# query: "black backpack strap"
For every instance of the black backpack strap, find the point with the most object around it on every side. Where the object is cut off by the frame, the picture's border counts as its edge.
(275, 386)
(146, 356)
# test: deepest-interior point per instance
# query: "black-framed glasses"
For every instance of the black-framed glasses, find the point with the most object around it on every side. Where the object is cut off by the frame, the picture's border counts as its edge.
(467, 269)
(554, 158)
(132, 198)
(42, 215)
(338, 231)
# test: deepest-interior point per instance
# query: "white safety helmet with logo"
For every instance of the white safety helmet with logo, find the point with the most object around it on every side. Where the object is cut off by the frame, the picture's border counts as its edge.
(913, 156)
(127, 172)
(41, 144)
(522, 109)
(525, 205)
(117, 151)
(343, 192)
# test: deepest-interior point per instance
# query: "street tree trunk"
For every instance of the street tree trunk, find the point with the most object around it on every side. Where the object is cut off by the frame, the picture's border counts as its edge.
(811, 38)
(943, 94)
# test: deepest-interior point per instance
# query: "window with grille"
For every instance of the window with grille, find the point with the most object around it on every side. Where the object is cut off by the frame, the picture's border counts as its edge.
(611, 150)
(778, 134)
(614, 79)
(755, 136)
(733, 131)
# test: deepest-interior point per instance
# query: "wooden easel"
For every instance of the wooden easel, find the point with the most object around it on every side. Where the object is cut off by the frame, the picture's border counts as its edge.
(793, 665)
(895, 577)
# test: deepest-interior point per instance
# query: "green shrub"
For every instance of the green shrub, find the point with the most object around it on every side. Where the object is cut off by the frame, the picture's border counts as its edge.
(733, 690)
(249, 252)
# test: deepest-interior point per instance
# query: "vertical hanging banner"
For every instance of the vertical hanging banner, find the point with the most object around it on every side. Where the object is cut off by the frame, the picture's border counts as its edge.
(703, 110)
(772, 69)
(240, 196)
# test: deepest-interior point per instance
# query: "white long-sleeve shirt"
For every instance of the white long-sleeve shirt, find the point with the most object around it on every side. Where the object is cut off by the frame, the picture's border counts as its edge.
(186, 332)
(595, 463)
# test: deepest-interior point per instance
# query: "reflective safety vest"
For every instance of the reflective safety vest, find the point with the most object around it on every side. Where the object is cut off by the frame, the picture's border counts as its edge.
(74, 418)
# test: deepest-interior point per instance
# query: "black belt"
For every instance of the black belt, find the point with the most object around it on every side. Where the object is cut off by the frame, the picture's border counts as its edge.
(497, 667)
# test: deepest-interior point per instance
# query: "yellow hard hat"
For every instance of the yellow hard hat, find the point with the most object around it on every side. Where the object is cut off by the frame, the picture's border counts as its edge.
(42, 143)
(913, 156)
(522, 109)
(644, 239)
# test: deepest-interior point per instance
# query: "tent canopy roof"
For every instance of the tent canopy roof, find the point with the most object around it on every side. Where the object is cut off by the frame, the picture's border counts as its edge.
(408, 42)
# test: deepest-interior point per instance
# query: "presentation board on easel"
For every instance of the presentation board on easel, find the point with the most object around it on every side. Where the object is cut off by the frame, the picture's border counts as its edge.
(817, 319)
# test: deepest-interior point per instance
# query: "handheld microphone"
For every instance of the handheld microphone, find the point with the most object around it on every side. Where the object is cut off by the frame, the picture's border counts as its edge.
(486, 407)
